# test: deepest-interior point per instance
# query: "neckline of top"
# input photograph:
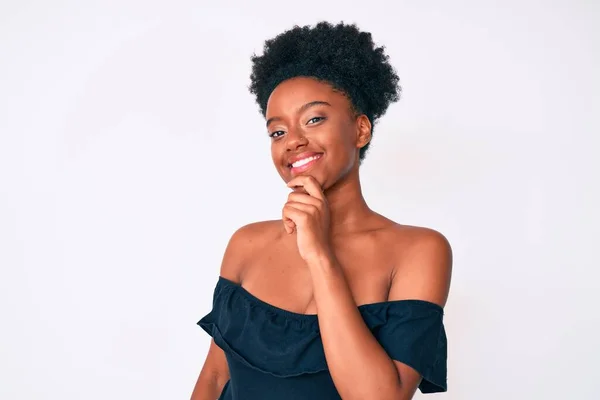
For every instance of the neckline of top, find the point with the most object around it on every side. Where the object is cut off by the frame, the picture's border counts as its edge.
(294, 314)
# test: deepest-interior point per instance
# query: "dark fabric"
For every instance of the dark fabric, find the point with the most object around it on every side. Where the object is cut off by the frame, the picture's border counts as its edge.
(276, 354)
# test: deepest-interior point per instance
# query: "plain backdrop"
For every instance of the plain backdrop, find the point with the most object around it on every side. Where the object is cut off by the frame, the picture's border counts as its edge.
(131, 149)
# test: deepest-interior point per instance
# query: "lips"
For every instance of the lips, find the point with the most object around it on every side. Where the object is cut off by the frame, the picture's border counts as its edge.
(304, 161)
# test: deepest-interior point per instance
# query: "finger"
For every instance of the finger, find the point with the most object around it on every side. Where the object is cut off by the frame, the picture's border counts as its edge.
(304, 198)
(299, 213)
(291, 216)
(298, 189)
(308, 209)
(288, 225)
(309, 184)
(302, 181)
(288, 221)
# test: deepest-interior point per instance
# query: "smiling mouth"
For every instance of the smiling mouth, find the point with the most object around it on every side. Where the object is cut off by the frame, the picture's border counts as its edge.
(304, 164)
(304, 161)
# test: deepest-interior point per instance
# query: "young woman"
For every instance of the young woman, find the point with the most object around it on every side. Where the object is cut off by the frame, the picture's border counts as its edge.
(333, 300)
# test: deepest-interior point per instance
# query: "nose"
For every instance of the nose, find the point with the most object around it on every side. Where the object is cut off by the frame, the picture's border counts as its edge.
(295, 139)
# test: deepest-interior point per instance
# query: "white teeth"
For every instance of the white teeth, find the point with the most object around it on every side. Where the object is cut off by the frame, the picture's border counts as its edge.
(304, 161)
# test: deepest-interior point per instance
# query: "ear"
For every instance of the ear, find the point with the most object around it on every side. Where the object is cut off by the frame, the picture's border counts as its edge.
(364, 127)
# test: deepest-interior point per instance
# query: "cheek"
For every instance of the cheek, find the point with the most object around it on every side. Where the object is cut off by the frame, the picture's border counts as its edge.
(275, 153)
(346, 144)
(276, 159)
(346, 151)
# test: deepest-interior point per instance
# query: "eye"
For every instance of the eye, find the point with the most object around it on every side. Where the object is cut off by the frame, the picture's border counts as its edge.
(315, 120)
(276, 134)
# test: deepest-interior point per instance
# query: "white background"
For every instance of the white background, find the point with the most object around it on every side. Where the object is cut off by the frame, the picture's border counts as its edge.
(131, 149)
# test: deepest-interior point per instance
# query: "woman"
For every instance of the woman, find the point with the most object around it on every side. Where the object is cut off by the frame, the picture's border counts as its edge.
(333, 300)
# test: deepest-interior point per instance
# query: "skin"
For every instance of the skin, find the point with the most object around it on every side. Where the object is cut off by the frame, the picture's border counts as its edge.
(330, 252)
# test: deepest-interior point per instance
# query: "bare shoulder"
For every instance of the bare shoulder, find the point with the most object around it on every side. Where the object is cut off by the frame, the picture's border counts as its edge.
(423, 264)
(419, 240)
(245, 241)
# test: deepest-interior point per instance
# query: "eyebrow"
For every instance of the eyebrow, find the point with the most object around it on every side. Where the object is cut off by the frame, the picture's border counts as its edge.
(302, 109)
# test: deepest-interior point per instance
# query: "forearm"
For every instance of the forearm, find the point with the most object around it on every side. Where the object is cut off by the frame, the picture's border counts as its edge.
(358, 364)
(208, 387)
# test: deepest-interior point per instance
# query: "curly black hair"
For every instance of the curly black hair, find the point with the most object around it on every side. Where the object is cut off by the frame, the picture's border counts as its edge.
(340, 55)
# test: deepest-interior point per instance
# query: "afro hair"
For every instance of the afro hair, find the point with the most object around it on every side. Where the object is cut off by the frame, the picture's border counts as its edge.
(340, 55)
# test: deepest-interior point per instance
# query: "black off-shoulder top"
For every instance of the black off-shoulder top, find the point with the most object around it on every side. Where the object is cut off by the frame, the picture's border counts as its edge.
(276, 354)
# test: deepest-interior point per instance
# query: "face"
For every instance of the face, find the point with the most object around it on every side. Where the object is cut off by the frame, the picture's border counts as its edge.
(314, 131)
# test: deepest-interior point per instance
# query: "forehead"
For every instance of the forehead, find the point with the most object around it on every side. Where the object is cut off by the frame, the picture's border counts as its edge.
(291, 94)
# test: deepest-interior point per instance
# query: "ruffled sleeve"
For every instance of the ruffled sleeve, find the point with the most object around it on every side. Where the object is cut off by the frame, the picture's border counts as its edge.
(263, 337)
(412, 332)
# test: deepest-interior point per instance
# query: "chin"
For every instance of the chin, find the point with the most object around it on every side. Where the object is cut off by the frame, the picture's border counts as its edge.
(287, 176)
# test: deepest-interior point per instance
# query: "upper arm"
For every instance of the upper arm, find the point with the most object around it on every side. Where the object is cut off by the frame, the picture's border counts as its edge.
(241, 245)
(424, 269)
(423, 273)
(213, 376)
(215, 371)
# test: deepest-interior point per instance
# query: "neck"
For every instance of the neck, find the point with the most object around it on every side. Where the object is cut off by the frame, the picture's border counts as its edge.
(347, 206)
